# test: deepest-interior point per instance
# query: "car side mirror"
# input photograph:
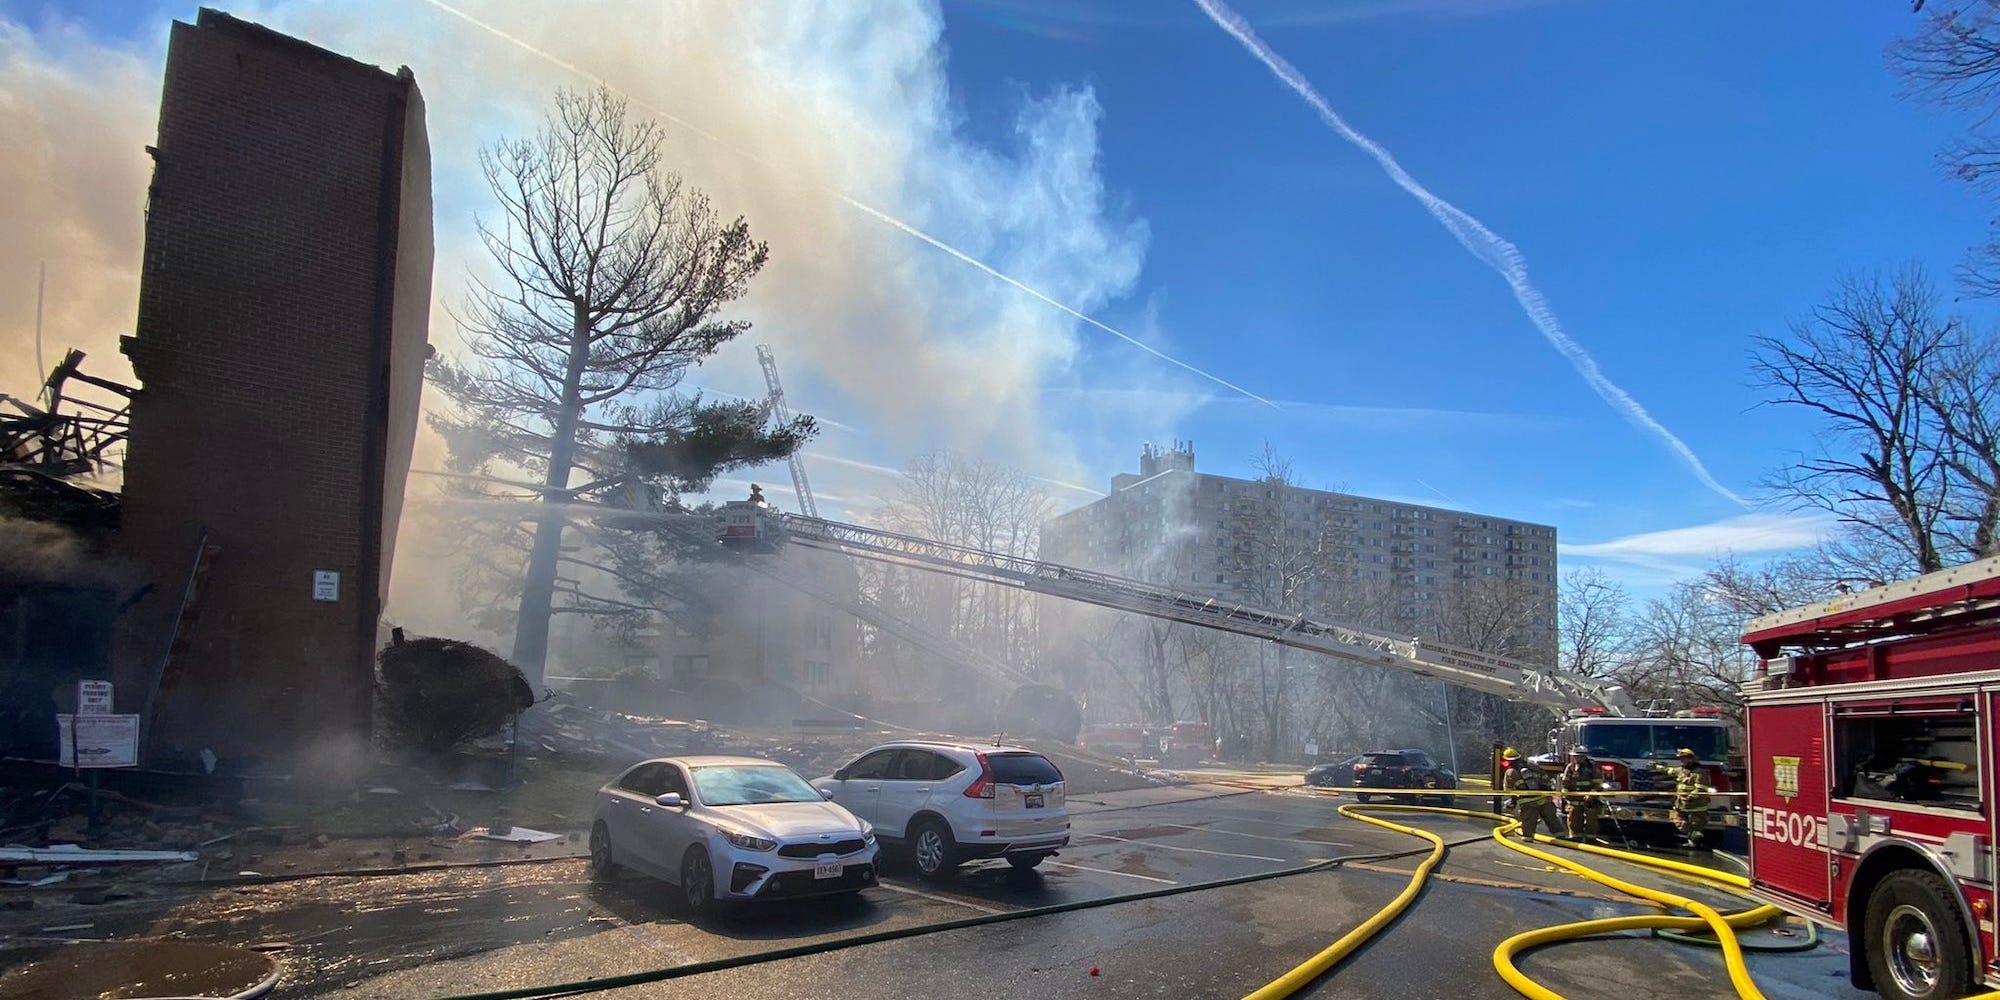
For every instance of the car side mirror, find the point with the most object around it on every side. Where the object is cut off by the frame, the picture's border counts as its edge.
(672, 800)
(826, 793)
(840, 775)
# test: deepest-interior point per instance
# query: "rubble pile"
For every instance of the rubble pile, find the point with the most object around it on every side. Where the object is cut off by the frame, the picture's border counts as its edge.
(559, 731)
(58, 816)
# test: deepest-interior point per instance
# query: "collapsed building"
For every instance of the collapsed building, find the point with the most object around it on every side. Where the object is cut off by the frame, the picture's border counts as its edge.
(281, 336)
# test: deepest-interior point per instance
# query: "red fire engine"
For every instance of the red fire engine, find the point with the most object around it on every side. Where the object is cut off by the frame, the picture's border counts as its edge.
(1871, 764)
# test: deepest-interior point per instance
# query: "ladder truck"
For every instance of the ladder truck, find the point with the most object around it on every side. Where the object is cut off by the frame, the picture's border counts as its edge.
(1871, 758)
(1630, 747)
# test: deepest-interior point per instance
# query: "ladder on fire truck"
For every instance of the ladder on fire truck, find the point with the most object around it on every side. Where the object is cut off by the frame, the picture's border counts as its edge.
(701, 531)
(1497, 675)
(783, 413)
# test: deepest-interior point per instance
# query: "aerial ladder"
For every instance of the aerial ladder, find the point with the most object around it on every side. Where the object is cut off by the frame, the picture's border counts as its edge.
(1514, 680)
(784, 414)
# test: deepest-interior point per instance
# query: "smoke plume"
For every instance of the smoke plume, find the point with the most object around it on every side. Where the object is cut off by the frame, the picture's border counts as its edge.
(76, 116)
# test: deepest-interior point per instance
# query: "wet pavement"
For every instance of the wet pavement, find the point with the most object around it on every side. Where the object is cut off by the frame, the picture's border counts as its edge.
(445, 933)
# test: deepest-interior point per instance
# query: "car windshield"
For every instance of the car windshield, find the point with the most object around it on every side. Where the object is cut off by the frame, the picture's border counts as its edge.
(750, 784)
(1650, 741)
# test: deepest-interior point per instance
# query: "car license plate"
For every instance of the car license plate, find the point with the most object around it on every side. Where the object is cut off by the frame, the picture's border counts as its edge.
(1031, 801)
(827, 871)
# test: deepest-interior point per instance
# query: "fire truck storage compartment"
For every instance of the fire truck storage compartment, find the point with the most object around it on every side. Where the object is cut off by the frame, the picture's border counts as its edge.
(1788, 802)
(1924, 752)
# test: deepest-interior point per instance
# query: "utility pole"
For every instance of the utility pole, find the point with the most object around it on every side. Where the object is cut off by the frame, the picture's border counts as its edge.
(1450, 729)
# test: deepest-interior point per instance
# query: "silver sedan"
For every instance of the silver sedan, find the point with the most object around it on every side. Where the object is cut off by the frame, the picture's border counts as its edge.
(729, 828)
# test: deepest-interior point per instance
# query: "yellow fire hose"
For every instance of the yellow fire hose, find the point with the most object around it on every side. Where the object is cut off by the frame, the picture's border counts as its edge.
(1704, 916)
(1291, 982)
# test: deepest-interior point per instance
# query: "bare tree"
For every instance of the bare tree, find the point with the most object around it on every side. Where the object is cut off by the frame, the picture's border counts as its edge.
(1862, 362)
(979, 504)
(1688, 650)
(1954, 60)
(1592, 623)
(1277, 565)
(611, 275)
(1963, 390)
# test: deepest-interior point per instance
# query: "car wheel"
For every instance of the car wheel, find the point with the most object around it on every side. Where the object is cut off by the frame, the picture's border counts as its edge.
(1916, 940)
(601, 864)
(932, 849)
(1362, 796)
(1025, 862)
(697, 880)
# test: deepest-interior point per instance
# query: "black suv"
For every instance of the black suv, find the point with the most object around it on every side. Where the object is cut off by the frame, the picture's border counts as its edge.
(1402, 769)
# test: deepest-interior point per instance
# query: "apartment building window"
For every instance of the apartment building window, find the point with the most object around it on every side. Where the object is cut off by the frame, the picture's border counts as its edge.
(688, 667)
(819, 628)
(640, 661)
(1222, 578)
(817, 671)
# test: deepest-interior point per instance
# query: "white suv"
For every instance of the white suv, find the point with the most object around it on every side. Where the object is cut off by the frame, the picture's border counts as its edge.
(955, 802)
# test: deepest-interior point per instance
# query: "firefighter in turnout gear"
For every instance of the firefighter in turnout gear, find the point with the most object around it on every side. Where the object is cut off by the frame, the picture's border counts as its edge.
(1523, 776)
(1580, 812)
(1691, 798)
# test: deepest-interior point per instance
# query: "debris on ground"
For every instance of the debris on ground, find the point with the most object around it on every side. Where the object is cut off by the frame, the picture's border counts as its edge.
(516, 835)
(61, 854)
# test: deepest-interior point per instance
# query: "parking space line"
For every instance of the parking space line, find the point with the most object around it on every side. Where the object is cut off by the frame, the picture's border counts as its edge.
(1171, 847)
(1107, 871)
(1257, 836)
(938, 898)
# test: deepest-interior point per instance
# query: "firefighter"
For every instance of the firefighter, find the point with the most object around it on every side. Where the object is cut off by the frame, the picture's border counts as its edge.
(1691, 798)
(1523, 776)
(1580, 812)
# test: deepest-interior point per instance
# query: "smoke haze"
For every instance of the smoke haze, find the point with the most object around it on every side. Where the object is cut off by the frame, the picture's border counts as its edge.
(853, 98)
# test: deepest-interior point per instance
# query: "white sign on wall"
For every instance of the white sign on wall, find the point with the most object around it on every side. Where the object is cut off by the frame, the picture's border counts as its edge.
(99, 740)
(326, 585)
(93, 697)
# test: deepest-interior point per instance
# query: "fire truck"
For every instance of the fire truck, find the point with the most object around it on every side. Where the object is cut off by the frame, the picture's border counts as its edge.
(1639, 754)
(1871, 736)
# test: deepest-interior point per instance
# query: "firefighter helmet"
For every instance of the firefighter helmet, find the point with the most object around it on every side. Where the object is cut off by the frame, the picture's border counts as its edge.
(1578, 752)
(1687, 754)
(1510, 754)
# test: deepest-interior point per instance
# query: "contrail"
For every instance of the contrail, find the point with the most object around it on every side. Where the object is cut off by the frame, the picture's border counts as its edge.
(852, 202)
(1481, 242)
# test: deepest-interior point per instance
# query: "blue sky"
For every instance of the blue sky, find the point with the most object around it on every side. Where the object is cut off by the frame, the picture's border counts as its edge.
(1679, 177)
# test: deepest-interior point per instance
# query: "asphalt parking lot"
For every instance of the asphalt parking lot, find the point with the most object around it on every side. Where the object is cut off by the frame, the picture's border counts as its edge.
(447, 933)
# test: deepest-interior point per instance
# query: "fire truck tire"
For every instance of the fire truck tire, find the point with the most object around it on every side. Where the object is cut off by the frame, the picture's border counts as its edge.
(1919, 947)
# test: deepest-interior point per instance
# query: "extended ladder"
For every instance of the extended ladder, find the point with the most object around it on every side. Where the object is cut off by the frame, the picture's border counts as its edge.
(1492, 674)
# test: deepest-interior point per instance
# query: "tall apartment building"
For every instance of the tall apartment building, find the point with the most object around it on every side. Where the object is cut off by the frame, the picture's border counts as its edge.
(1402, 565)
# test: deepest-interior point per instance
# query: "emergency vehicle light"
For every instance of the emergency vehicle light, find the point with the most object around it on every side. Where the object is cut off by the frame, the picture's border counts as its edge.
(1708, 710)
(1586, 710)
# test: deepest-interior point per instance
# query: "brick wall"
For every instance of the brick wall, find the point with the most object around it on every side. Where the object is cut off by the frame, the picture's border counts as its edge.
(266, 334)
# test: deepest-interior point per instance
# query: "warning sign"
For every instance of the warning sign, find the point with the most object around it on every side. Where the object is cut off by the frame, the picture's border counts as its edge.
(99, 740)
